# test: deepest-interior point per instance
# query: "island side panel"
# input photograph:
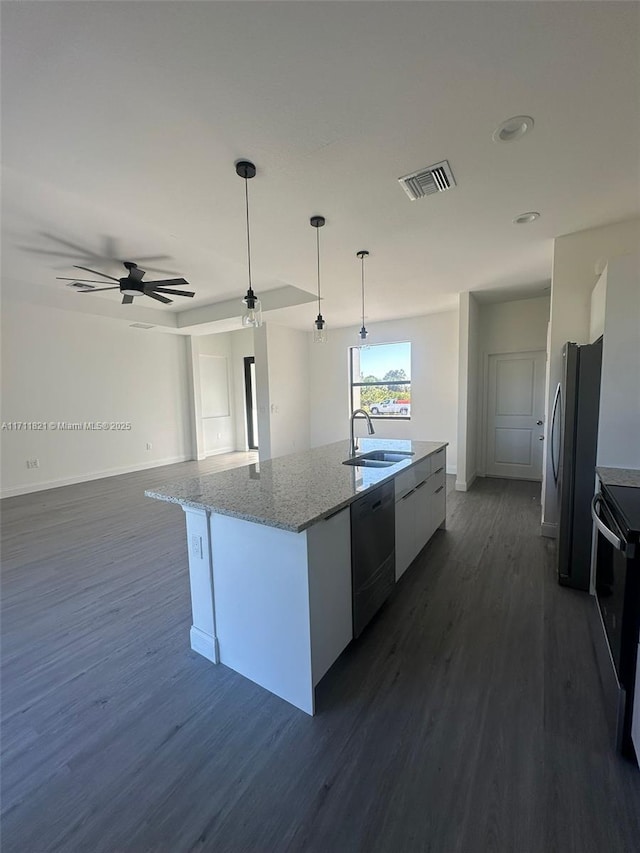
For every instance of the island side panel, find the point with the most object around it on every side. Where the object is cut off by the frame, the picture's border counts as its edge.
(330, 596)
(262, 606)
(203, 630)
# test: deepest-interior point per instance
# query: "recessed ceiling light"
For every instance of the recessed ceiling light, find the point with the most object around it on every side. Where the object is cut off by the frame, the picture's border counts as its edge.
(513, 128)
(525, 218)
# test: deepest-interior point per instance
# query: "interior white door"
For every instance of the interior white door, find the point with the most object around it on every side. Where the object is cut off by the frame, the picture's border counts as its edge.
(515, 413)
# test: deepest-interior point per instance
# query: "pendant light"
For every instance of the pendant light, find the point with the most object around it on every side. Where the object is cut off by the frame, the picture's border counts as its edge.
(319, 331)
(362, 254)
(253, 308)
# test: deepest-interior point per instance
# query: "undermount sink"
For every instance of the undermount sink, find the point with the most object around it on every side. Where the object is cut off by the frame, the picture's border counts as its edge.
(378, 458)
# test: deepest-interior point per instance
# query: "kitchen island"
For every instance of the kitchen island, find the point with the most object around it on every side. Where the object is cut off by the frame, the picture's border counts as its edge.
(269, 549)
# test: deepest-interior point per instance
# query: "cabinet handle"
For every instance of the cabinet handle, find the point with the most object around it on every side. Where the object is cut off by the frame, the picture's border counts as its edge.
(420, 486)
(438, 490)
(376, 505)
(441, 468)
(404, 497)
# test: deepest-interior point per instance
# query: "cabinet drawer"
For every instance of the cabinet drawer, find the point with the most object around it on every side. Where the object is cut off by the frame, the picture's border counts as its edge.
(412, 477)
(404, 482)
(422, 470)
(436, 480)
(438, 506)
(438, 460)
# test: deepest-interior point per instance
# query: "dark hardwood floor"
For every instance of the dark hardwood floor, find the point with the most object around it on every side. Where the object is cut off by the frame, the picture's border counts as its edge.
(468, 717)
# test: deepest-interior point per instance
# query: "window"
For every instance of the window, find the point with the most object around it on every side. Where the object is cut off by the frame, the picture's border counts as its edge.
(381, 380)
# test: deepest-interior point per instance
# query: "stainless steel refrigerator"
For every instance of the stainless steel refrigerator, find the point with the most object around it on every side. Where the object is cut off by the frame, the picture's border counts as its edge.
(574, 441)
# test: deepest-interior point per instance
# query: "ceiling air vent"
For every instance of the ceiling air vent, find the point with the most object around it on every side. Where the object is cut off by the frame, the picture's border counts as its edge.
(141, 326)
(433, 179)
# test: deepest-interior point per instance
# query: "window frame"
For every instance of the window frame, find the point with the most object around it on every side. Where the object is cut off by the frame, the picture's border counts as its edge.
(380, 384)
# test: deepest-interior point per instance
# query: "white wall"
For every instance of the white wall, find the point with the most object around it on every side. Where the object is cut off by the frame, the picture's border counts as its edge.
(619, 423)
(61, 366)
(289, 389)
(434, 370)
(505, 327)
(284, 395)
(468, 410)
(575, 257)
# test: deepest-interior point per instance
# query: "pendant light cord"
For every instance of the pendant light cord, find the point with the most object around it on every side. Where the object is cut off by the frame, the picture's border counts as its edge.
(362, 268)
(318, 255)
(246, 199)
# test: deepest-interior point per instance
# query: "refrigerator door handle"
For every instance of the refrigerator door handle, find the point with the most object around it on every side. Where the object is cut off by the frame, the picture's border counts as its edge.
(557, 405)
(618, 542)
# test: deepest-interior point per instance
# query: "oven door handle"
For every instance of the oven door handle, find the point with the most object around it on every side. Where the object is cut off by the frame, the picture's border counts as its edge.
(618, 542)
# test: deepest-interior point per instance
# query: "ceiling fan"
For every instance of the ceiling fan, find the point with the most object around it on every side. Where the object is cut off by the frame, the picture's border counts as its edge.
(132, 284)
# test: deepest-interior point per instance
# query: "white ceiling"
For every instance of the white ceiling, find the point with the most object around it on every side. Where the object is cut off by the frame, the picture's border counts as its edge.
(122, 121)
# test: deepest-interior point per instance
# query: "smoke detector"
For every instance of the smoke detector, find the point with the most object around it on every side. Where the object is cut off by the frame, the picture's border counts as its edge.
(433, 179)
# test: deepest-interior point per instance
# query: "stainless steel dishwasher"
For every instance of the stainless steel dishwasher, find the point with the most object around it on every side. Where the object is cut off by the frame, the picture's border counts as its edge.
(373, 556)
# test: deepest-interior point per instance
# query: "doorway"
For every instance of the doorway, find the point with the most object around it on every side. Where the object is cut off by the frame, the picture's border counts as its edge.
(251, 402)
(515, 415)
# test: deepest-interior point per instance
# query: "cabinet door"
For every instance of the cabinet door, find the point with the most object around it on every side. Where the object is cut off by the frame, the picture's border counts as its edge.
(329, 567)
(405, 533)
(424, 515)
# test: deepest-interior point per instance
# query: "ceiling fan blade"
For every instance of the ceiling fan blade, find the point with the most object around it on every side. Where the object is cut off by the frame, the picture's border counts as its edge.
(81, 280)
(50, 252)
(174, 292)
(82, 249)
(156, 296)
(96, 272)
(154, 258)
(127, 299)
(98, 289)
(167, 282)
(160, 269)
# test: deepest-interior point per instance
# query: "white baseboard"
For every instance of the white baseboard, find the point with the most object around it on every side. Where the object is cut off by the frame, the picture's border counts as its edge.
(27, 489)
(204, 644)
(464, 486)
(452, 469)
(218, 451)
(549, 529)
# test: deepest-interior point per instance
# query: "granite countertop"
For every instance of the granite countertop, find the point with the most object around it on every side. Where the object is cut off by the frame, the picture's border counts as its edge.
(293, 492)
(619, 476)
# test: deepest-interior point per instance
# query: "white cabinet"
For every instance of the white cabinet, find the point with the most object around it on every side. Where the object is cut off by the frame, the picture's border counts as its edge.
(420, 508)
(405, 526)
(619, 420)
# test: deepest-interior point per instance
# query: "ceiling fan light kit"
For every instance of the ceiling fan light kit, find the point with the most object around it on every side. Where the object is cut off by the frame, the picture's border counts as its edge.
(319, 331)
(362, 254)
(252, 316)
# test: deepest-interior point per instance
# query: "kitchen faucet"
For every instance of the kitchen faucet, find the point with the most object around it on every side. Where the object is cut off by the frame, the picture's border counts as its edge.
(354, 441)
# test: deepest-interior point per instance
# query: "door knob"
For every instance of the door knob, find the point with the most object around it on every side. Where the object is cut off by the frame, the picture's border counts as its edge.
(540, 438)
(539, 423)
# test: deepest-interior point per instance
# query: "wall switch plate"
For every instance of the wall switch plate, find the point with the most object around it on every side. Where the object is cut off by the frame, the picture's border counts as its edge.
(149, 445)
(196, 545)
(33, 463)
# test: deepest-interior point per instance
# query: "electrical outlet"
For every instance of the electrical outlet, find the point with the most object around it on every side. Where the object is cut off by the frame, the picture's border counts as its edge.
(33, 463)
(219, 435)
(149, 445)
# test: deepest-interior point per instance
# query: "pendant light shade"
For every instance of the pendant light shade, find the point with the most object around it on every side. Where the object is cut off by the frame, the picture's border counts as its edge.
(253, 308)
(319, 327)
(362, 254)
